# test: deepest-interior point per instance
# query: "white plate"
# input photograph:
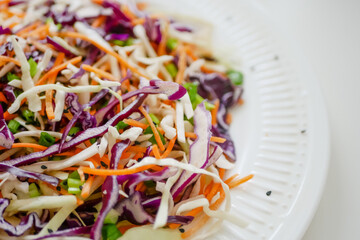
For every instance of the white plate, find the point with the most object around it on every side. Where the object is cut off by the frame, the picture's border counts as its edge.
(281, 131)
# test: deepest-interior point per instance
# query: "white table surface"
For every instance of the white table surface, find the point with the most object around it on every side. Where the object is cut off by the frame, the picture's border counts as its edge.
(328, 34)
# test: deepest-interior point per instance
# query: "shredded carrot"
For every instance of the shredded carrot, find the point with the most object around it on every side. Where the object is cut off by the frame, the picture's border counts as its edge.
(85, 192)
(99, 72)
(109, 172)
(135, 123)
(139, 186)
(57, 69)
(29, 145)
(38, 32)
(138, 21)
(214, 112)
(182, 65)
(156, 152)
(169, 147)
(3, 98)
(128, 12)
(227, 181)
(49, 93)
(240, 181)
(9, 59)
(138, 155)
(100, 2)
(98, 21)
(213, 139)
(136, 149)
(108, 51)
(228, 118)
(222, 173)
(8, 116)
(162, 44)
(156, 134)
(28, 28)
(241, 101)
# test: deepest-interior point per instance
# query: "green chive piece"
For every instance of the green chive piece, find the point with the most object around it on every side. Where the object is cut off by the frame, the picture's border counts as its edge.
(28, 115)
(11, 76)
(74, 190)
(92, 140)
(74, 175)
(13, 126)
(148, 130)
(236, 77)
(171, 43)
(73, 131)
(46, 139)
(110, 232)
(171, 68)
(154, 118)
(33, 190)
(33, 67)
(76, 183)
(121, 125)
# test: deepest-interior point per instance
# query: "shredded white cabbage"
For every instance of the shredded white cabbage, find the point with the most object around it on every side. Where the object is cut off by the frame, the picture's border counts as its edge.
(167, 124)
(6, 68)
(59, 104)
(222, 162)
(16, 83)
(180, 122)
(37, 133)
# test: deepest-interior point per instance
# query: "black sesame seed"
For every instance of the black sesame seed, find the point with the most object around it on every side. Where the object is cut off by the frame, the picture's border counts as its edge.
(80, 187)
(98, 167)
(86, 176)
(58, 188)
(181, 230)
(43, 167)
(303, 131)
(50, 230)
(268, 193)
(103, 164)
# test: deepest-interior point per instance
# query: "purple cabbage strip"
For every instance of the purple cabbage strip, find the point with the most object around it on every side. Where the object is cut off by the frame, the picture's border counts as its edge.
(131, 209)
(15, 2)
(6, 47)
(115, 36)
(228, 146)
(65, 18)
(25, 224)
(82, 137)
(67, 233)
(5, 30)
(136, 178)
(110, 189)
(180, 219)
(118, 22)
(59, 47)
(6, 136)
(153, 203)
(202, 126)
(173, 90)
(90, 59)
(152, 28)
(23, 173)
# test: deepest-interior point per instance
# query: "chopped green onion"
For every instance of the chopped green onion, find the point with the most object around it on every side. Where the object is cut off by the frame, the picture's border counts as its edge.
(121, 125)
(154, 118)
(13, 125)
(72, 182)
(33, 67)
(73, 131)
(92, 140)
(195, 98)
(33, 190)
(74, 190)
(28, 115)
(46, 139)
(11, 76)
(127, 42)
(236, 77)
(209, 106)
(171, 43)
(112, 217)
(75, 175)
(110, 232)
(148, 130)
(64, 184)
(59, 26)
(171, 68)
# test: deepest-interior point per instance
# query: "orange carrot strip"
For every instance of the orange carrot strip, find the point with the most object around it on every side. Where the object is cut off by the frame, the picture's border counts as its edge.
(28, 28)
(222, 173)
(136, 149)
(57, 69)
(213, 139)
(240, 181)
(8, 116)
(109, 172)
(85, 192)
(227, 181)
(3, 98)
(228, 118)
(9, 59)
(214, 112)
(162, 44)
(99, 72)
(169, 147)
(108, 51)
(38, 32)
(135, 123)
(98, 22)
(100, 2)
(156, 152)
(49, 93)
(155, 132)
(182, 65)
(29, 145)
(139, 186)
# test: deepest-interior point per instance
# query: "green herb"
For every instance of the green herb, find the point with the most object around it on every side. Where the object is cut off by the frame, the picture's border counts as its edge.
(236, 77)
(46, 139)
(112, 217)
(59, 26)
(73, 183)
(148, 130)
(33, 67)
(110, 232)
(28, 115)
(33, 190)
(195, 98)
(150, 183)
(92, 140)
(171, 43)
(127, 42)
(73, 131)
(11, 76)
(13, 125)
(121, 125)
(171, 68)
(154, 118)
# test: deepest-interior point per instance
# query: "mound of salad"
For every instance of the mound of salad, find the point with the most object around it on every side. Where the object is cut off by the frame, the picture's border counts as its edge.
(114, 124)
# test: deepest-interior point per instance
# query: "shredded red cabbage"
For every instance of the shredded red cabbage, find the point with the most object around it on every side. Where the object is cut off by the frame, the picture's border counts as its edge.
(6, 136)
